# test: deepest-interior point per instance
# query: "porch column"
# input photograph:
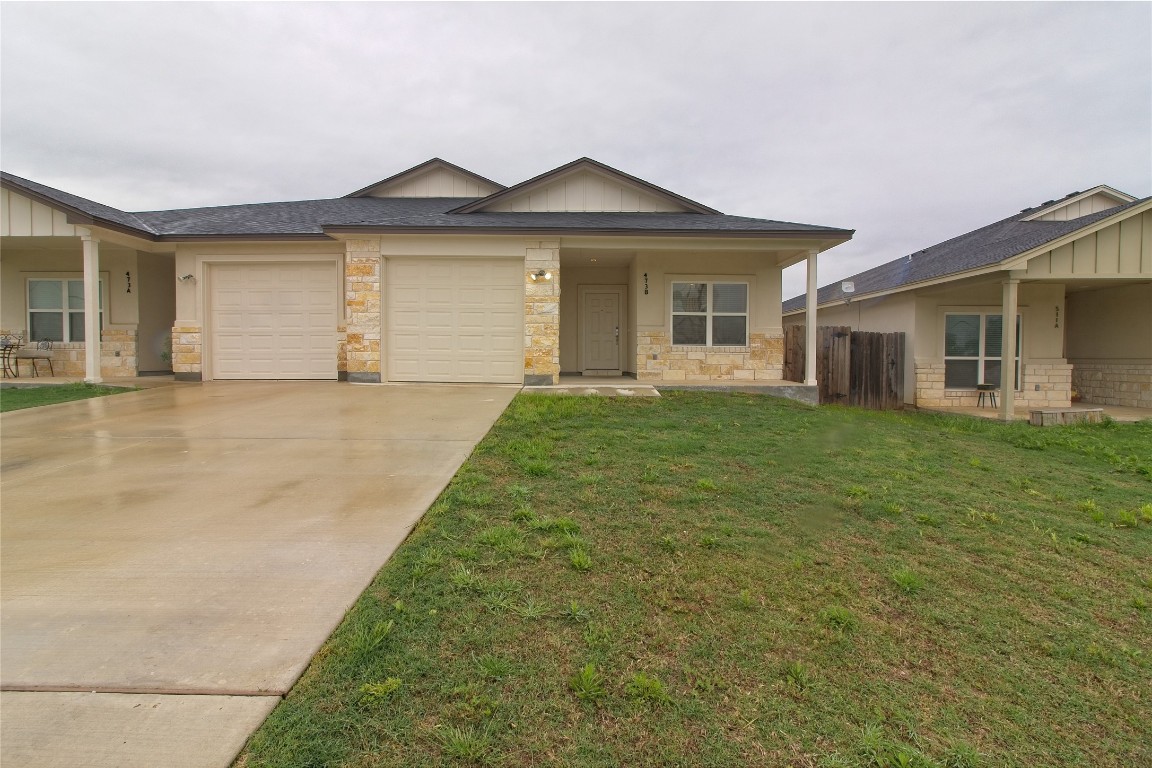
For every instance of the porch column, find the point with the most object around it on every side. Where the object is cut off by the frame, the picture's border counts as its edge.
(1008, 348)
(91, 308)
(810, 322)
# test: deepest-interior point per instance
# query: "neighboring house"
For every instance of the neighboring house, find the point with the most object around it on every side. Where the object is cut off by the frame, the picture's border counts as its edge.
(433, 274)
(1077, 273)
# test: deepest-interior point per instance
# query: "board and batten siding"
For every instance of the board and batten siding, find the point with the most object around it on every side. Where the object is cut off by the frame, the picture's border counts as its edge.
(23, 217)
(436, 182)
(1122, 249)
(586, 191)
(1074, 210)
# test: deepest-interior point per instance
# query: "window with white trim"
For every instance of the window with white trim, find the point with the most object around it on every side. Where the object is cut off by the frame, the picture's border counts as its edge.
(710, 314)
(56, 309)
(972, 350)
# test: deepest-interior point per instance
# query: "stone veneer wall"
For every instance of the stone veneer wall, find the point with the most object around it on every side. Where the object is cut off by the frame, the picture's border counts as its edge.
(1054, 380)
(358, 358)
(542, 316)
(117, 357)
(187, 352)
(1113, 382)
(658, 360)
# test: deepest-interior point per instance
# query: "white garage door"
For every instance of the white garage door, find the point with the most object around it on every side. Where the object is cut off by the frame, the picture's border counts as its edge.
(455, 320)
(274, 321)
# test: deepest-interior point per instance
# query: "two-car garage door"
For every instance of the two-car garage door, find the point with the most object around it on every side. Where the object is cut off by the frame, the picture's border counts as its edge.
(444, 320)
(455, 320)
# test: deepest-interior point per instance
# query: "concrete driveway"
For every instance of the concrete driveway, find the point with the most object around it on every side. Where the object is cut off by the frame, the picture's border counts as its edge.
(172, 558)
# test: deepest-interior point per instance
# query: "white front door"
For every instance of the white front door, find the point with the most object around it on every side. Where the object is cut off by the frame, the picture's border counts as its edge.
(601, 331)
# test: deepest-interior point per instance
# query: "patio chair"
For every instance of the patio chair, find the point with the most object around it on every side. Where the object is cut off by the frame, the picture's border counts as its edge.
(41, 351)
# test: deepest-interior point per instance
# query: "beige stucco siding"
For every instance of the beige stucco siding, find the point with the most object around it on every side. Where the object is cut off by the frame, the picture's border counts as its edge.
(1111, 323)
(23, 217)
(586, 190)
(18, 266)
(1123, 249)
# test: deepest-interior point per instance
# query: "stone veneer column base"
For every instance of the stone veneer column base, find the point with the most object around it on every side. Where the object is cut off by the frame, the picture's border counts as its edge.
(359, 348)
(657, 360)
(1044, 385)
(542, 315)
(187, 352)
(1113, 382)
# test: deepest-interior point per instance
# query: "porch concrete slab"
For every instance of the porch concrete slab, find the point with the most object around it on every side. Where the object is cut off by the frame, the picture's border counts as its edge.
(1121, 413)
(206, 539)
(126, 731)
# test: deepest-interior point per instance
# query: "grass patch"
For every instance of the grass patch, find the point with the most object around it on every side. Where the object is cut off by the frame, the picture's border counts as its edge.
(18, 398)
(746, 581)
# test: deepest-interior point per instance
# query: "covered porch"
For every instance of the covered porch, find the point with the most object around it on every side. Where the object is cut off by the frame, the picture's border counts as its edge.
(675, 313)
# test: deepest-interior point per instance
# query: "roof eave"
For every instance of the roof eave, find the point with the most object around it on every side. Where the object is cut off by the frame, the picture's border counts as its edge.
(831, 234)
(74, 215)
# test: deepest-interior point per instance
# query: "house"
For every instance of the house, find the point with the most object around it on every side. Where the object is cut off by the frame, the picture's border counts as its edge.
(1075, 272)
(434, 274)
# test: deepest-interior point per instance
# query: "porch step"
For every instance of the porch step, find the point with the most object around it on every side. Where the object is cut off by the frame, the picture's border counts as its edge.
(1050, 417)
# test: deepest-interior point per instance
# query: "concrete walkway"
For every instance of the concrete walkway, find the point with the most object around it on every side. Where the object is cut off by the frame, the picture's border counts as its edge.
(1120, 413)
(173, 558)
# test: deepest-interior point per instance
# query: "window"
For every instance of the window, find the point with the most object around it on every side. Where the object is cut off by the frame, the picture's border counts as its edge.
(972, 350)
(710, 314)
(56, 309)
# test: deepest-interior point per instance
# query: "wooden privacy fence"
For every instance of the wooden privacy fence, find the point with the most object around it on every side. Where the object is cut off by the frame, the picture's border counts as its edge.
(852, 367)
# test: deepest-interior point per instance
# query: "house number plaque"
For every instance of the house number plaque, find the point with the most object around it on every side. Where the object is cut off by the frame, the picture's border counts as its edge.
(128, 277)
(645, 283)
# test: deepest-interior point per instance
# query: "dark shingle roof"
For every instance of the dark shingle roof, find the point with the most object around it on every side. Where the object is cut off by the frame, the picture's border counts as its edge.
(78, 205)
(310, 218)
(980, 248)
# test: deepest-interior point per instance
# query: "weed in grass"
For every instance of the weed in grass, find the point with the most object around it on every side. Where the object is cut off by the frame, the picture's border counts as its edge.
(840, 620)
(961, 755)
(642, 687)
(580, 559)
(530, 609)
(399, 606)
(705, 484)
(590, 478)
(798, 676)
(494, 667)
(370, 638)
(465, 743)
(1126, 519)
(891, 509)
(856, 492)
(374, 693)
(536, 467)
(501, 537)
(498, 601)
(744, 601)
(464, 578)
(598, 638)
(668, 544)
(1088, 506)
(468, 554)
(907, 580)
(523, 515)
(587, 684)
(575, 612)
(1146, 513)
(520, 493)
(1140, 603)
(709, 542)
(928, 520)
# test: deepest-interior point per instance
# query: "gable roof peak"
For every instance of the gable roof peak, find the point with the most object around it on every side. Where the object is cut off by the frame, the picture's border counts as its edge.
(675, 202)
(482, 186)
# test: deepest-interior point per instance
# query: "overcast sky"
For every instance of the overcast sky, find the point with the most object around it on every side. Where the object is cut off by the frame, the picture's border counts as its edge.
(908, 122)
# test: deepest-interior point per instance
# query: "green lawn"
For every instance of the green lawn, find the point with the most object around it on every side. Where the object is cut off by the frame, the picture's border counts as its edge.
(729, 580)
(16, 398)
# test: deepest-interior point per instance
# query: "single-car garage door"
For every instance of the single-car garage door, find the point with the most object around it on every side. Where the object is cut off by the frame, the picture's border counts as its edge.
(274, 321)
(455, 320)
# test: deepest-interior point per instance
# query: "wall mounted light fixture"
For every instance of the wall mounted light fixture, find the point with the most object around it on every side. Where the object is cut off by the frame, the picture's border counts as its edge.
(541, 275)
(186, 278)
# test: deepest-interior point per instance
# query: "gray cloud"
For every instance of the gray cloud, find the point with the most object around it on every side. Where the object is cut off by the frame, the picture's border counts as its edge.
(911, 122)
